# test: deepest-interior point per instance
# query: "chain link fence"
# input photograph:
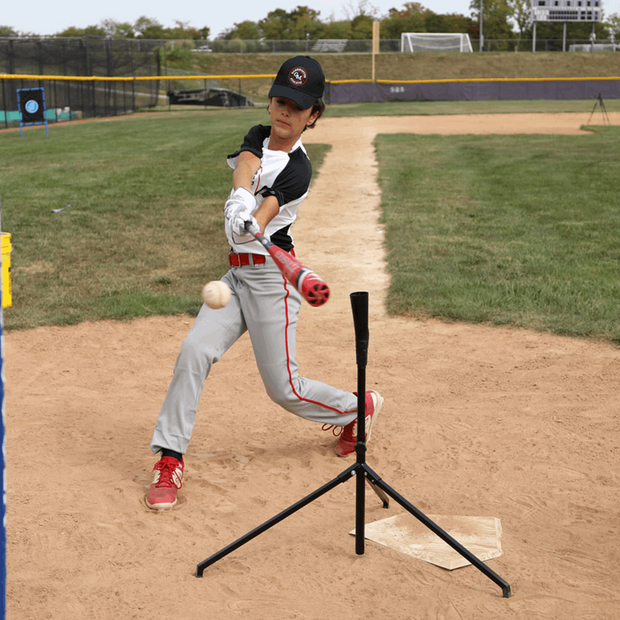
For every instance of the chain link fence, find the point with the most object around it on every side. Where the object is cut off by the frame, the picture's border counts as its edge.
(97, 76)
(545, 45)
(308, 46)
(80, 58)
(364, 46)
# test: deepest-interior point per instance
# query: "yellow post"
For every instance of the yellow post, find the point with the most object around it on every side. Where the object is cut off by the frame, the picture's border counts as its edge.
(375, 45)
(375, 51)
(6, 248)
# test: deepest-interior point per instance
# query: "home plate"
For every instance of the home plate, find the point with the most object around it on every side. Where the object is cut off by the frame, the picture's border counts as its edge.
(481, 536)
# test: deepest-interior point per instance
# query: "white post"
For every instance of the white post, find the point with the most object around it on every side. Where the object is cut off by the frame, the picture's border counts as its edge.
(564, 38)
(481, 35)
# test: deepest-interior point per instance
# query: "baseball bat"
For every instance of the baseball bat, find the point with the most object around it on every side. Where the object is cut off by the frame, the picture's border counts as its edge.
(311, 287)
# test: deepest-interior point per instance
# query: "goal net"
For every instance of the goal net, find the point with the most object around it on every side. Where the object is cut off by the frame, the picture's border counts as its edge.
(434, 42)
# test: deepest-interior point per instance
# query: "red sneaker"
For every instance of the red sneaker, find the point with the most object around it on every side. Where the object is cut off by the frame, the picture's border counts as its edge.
(348, 437)
(168, 480)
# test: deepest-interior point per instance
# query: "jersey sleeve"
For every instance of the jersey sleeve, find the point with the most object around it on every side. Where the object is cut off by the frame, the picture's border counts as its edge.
(294, 180)
(253, 142)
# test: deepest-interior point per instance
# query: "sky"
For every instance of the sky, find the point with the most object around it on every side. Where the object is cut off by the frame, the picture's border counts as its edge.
(45, 18)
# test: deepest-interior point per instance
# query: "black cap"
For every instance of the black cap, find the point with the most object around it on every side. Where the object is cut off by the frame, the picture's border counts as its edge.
(301, 80)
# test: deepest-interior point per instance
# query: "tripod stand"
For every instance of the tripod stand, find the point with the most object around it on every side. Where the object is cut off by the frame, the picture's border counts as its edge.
(599, 101)
(359, 305)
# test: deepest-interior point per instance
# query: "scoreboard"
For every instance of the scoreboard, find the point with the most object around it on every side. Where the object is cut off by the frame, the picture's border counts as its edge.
(567, 10)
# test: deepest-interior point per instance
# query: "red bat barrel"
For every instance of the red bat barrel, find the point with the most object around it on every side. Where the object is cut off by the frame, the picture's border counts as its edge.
(311, 287)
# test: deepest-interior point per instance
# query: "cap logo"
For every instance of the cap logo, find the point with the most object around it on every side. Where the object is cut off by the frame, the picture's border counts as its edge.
(298, 76)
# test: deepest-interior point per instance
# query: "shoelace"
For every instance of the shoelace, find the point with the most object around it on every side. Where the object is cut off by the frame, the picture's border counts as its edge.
(167, 475)
(336, 430)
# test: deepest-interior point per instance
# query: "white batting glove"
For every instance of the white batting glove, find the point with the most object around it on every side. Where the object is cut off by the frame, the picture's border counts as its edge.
(238, 223)
(240, 200)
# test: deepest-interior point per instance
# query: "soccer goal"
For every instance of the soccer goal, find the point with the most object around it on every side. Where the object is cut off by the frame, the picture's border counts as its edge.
(434, 42)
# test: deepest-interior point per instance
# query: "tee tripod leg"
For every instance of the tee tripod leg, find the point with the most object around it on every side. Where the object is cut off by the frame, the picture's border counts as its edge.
(431, 525)
(360, 469)
(343, 477)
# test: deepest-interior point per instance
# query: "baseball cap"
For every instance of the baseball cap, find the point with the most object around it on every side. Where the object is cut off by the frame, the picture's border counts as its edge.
(301, 80)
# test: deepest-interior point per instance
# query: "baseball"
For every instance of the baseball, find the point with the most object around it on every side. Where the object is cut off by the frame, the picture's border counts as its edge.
(216, 294)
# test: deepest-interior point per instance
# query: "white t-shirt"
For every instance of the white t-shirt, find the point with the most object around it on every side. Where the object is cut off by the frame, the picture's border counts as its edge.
(284, 175)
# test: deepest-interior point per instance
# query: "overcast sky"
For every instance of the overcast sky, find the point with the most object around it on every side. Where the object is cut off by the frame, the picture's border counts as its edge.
(45, 17)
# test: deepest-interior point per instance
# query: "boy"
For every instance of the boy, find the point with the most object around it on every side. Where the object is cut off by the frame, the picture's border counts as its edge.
(271, 177)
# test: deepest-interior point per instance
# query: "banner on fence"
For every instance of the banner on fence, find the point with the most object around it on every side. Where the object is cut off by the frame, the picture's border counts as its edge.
(31, 103)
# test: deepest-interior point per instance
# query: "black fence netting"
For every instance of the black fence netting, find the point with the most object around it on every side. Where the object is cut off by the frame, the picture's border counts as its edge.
(70, 62)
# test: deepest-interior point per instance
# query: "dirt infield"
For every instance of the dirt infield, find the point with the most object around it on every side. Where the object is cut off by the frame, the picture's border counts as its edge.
(478, 421)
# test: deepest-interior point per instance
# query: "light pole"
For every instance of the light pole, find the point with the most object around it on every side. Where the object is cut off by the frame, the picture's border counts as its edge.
(481, 35)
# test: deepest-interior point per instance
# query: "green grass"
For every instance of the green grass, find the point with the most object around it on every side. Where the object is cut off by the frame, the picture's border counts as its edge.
(434, 108)
(144, 231)
(508, 230)
(589, 109)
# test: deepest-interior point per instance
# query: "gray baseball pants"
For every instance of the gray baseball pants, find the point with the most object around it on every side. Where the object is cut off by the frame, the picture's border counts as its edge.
(267, 306)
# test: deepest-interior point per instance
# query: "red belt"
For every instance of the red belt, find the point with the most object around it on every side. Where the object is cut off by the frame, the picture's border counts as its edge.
(241, 260)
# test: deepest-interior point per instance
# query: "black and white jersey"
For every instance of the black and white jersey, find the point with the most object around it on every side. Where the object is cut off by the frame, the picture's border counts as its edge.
(286, 176)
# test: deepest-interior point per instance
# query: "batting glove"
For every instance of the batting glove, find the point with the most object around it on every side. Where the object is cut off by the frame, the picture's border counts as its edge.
(240, 200)
(238, 223)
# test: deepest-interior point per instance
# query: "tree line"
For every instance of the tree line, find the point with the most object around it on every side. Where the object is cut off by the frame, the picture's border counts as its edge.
(143, 28)
(502, 19)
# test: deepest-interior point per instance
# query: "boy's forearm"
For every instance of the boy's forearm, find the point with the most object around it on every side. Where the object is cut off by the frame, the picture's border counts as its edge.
(247, 166)
(242, 176)
(266, 212)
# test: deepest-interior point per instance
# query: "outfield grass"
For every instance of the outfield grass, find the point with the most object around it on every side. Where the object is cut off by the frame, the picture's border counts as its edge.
(434, 108)
(510, 230)
(144, 231)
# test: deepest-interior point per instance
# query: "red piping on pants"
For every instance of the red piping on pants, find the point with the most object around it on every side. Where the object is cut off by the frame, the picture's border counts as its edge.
(288, 358)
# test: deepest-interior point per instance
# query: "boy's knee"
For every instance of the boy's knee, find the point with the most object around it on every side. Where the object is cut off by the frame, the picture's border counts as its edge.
(283, 396)
(194, 354)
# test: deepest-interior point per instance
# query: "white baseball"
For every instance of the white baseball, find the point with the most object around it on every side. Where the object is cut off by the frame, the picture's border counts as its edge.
(216, 294)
